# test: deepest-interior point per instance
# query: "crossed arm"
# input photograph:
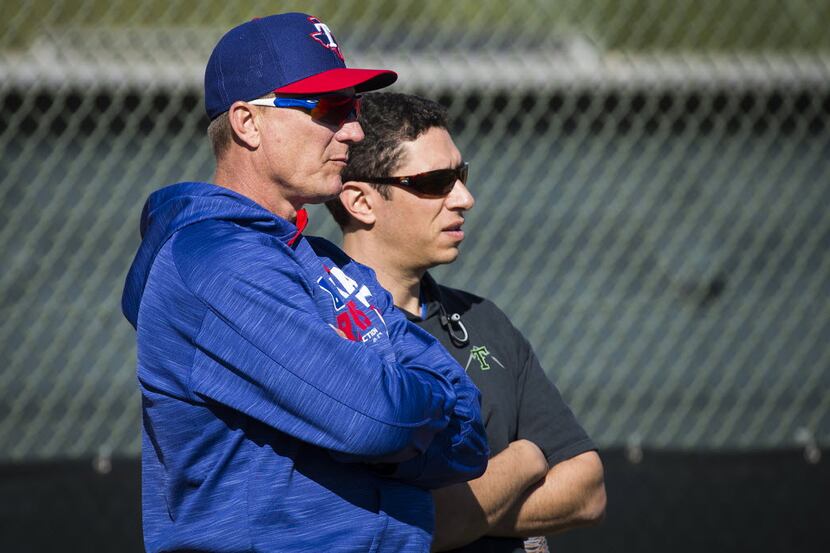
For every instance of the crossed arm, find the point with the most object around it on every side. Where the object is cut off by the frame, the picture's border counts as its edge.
(519, 496)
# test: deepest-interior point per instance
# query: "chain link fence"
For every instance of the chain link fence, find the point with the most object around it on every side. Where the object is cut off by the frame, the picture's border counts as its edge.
(652, 183)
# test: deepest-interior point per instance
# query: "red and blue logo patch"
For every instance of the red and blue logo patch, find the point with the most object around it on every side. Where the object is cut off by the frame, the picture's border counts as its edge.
(324, 36)
(351, 305)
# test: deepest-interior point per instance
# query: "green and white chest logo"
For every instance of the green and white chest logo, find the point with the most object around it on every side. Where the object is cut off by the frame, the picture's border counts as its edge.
(483, 356)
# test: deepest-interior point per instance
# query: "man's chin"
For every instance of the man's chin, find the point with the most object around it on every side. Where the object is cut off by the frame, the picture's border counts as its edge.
(447, 256)
(336, 186)
(328, 192)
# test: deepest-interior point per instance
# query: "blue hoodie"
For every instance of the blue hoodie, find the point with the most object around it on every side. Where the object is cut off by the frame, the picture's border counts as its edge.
(263, 430)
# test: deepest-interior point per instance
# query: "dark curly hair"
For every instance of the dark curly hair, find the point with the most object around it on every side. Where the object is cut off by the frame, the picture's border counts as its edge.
(388, 119)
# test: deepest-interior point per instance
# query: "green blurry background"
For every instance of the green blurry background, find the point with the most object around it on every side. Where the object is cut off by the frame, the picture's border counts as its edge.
(651, 177)
(625, 25)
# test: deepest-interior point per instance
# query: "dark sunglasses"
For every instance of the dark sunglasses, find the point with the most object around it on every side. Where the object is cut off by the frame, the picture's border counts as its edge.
(331, 109)
(431, 183)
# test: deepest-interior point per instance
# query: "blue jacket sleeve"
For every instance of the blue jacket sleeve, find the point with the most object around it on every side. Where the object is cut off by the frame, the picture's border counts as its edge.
(263, 350)
(459, 452)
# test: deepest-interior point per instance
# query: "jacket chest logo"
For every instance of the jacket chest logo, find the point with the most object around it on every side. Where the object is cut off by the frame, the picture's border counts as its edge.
(352, 305)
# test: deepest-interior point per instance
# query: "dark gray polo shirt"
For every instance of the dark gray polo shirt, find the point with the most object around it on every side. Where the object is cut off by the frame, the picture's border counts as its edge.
(518, 400)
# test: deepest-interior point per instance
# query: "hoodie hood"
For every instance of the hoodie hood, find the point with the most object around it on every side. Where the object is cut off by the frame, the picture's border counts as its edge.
(174, 207)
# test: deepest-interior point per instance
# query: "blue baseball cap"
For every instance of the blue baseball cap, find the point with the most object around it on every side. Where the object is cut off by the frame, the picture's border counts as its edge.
(288, 53)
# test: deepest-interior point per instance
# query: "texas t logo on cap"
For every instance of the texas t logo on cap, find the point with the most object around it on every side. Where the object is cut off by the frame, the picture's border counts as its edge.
(281, 54)
(324, 36)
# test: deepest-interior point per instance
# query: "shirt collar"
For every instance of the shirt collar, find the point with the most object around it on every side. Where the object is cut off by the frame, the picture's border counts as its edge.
(430, 299)
(301, 224)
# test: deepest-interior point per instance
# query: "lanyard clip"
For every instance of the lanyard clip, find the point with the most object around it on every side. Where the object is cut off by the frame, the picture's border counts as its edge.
(461, 339)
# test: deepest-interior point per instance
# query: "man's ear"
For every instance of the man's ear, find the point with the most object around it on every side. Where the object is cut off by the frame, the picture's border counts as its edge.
(245, 125)
(360, 199)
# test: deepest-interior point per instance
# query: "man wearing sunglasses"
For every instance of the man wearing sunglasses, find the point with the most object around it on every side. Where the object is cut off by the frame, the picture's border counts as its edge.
(263, 428)
(402, 210)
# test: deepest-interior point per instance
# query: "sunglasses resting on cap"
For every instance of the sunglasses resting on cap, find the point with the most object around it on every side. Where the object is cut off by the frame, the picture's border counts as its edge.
(331, 109)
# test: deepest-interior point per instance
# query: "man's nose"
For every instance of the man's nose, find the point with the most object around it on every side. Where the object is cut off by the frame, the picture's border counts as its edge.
(460, 197)
(351, 131)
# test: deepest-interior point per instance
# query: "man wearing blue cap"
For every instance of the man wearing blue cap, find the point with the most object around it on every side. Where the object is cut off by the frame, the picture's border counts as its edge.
(287, 406)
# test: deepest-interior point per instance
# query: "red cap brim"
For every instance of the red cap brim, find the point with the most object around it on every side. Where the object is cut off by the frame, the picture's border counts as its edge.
(363, 80)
